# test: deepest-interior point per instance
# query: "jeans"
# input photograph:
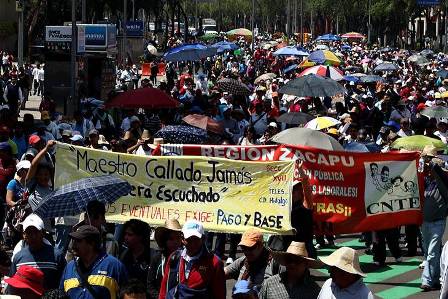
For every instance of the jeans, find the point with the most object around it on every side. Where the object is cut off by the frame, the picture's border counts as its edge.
(432, 234)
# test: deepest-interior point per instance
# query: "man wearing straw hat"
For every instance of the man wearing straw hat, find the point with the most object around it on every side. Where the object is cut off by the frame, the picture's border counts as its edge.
(296, 281)
(346, 276)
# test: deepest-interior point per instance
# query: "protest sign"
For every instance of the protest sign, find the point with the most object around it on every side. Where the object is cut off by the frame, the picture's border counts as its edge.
(225, 195)
(352, 192)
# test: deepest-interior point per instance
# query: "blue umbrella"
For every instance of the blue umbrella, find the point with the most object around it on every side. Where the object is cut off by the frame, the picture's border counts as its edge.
(182, 135)
(290, 51)
(362, 147)
(346, 48)
(442, 74)
(328, 37)
(290, 68)
(72, 199)
(351, 78)
(224, 46)
(189, 52)
(371, 79)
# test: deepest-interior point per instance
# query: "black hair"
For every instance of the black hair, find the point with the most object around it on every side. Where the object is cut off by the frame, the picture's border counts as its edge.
(55, 294)
(133, 286)
(95, 209)
(139, 228)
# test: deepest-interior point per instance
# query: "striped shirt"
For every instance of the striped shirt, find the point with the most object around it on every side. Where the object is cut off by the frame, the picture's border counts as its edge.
(50, 261)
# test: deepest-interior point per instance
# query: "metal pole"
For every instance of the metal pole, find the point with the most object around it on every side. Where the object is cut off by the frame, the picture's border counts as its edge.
(369, 25)
(301, 21)
(133, 10)
(20, 39)
(252, 21)
(125, 19)
(73, 55)
(84, 11)
(196, 21)
(288, 13)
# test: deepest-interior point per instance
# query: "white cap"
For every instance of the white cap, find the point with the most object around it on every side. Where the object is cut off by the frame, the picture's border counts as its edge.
(33, 220)
(25, 164)
(77, 137)
(272, 124)
(193, 228)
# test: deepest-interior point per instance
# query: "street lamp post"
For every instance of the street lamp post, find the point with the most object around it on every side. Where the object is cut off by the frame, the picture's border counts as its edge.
(301, 22)
(369, 25)
(20, 33)
(253, 25)
(125, 19)
(73, 58)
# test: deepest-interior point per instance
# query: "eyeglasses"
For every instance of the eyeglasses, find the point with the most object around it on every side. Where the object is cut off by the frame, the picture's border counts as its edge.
(247, 249)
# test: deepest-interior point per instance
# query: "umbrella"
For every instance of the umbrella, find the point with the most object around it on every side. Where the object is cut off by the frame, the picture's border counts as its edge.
(353, 35)
(294, 118)
(346, 48)
(417, 143)
(308, 137)
(203, 122)
(351, 78)
(328, 37)
(189, 52)
(366, 60)
(306, 63)
(387, 49)
(151, 49)
(427, 52)
(290, 51)
(240, 32)
(208, 37)
(385, 67)
(224, 46)
(312, 86)
(324, 57)
(233, 86)
(418, 59)
(435, 112)
(182, 135)
(290, 68)
(321, 47)
(442, 74)
(322, 122)
(265, 77)
(72, 199)
(324, 71)
(147, 98)
(362, 147)
(371, 79)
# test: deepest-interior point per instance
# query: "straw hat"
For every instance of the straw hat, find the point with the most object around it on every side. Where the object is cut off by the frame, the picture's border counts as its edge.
(170, 225)
(296, 251)
(346, 259)
(102, 140)
(429, 151)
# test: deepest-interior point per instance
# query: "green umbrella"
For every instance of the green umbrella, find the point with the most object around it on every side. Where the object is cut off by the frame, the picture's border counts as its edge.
(435, 111)
(208, 37)
(417, 143)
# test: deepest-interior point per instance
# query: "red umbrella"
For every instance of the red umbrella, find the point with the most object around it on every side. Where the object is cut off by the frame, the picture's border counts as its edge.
(203, 122)
(147, 98)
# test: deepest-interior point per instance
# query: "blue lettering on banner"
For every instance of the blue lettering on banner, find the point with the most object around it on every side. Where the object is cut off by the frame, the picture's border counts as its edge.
(96, 36)
(428, 2)
(134, 28)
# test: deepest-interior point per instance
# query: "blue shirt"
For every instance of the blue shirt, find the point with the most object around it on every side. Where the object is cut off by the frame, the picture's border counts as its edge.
(16, 188)
(106, 275)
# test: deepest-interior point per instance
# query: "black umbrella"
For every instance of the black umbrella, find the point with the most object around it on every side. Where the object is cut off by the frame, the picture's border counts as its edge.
(427, 52)
(294, 118)
(371, 79)
(233, 86)
(182, 135)
(312, 86)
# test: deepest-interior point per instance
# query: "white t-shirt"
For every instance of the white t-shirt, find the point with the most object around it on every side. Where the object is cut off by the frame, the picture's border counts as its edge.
(142, 152)
(35, 73)
(40, 75)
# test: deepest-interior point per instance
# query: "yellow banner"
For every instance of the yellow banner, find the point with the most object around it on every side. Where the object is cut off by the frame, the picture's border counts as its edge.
(225, 195)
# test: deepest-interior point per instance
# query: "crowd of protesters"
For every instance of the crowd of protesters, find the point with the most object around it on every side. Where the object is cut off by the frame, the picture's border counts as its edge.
(82, 258)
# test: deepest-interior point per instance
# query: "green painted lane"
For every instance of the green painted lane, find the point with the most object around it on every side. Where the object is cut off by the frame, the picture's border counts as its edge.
(403, 291)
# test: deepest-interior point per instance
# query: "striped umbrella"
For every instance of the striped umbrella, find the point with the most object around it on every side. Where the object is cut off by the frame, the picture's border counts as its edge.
(353, 35)
(322, 122)
(324, 57)
(324, 71)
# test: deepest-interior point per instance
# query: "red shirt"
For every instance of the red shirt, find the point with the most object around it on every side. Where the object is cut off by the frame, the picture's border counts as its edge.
(206, 272)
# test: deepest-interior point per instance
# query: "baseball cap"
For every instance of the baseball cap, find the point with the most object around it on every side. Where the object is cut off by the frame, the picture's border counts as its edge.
(272, 124)
(94, 132)
(4, 146)
(251, 237)
(33, 139)
(45, 115)
(33, 220)
(67, 133)
(85, 232)
(193, 228)
(28, 277)
(333, 131)
(25, 164)
(243, 287)
(77, 137)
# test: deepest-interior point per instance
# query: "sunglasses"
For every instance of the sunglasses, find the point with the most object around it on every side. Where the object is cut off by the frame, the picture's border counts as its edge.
(248, 249)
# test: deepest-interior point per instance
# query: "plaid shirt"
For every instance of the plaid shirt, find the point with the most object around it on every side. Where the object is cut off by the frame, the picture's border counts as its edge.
(276, 287)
